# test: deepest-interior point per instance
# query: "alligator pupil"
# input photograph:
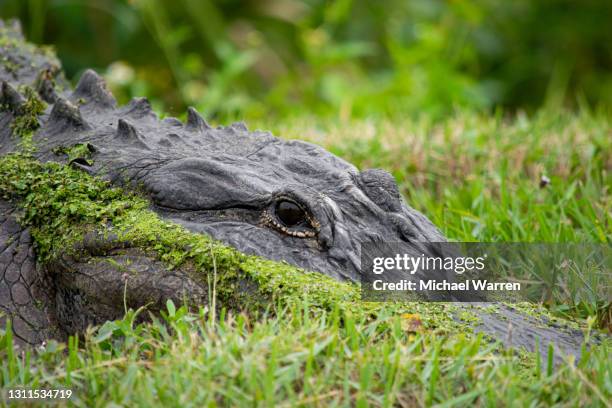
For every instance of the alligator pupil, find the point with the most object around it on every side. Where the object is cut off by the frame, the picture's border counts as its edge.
(289, 213)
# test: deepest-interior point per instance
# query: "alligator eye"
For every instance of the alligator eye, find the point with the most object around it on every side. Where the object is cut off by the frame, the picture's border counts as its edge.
(290, 213)
(290, 218)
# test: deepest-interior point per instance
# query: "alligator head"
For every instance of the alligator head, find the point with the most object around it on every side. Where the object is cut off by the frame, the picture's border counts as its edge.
(281, 199)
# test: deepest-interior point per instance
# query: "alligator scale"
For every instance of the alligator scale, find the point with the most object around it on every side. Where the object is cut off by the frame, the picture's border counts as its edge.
(278, 199)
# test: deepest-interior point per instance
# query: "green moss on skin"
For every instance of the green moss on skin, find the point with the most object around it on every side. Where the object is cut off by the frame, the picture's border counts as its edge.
(25, 121)
(77, 151)
(9, 65)
(10, 39)
(62, 204)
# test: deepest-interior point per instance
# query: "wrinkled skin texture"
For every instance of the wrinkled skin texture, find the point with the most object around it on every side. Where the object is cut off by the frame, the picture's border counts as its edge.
(23, 292)
(226, 182)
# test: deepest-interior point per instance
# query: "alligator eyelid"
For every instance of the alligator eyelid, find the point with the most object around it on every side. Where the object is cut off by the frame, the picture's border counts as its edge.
(288, 197)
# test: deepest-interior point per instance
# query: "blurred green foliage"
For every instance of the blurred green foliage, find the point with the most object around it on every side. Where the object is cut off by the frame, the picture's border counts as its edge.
(351, 58)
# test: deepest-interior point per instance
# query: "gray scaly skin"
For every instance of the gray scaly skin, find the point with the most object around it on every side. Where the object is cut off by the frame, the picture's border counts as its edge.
(279, 199)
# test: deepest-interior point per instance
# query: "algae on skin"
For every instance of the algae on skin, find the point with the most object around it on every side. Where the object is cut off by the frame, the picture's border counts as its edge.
(78, 151)
(26, 121)
(9, 38)
(9, 65)
(61, 204)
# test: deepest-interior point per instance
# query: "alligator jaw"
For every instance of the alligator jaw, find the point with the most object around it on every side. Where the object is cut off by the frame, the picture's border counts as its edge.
(102, 276)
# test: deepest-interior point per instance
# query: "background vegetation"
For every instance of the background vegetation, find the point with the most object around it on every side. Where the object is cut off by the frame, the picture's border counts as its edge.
(347, 58)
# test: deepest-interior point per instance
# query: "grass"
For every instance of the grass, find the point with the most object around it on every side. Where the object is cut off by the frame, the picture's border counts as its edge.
(297, 358)
(478, 178)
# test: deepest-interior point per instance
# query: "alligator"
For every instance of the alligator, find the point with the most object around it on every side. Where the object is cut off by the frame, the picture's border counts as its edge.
(284, 200)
